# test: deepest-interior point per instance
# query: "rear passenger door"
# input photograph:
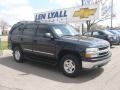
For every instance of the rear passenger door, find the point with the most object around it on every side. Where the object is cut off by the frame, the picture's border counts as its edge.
(27, 37)
(44, 46)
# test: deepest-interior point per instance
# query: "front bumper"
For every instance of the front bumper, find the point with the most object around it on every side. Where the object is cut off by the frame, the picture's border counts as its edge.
(91, 65)
(114, 41)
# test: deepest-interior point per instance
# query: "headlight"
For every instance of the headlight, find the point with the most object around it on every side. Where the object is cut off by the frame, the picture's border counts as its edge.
(92, 52)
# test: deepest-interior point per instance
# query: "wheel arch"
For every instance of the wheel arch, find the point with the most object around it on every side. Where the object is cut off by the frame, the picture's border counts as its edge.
(15, 45)
(64, 52)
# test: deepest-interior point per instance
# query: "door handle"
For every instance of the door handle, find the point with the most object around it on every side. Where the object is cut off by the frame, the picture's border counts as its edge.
(35, 41)
(21, 39)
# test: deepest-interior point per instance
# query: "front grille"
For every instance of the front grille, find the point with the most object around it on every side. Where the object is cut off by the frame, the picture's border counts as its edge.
(103, 48)
(103, 51)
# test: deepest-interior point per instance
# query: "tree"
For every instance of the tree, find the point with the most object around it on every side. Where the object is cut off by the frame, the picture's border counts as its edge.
(3, 25)
(105, 11)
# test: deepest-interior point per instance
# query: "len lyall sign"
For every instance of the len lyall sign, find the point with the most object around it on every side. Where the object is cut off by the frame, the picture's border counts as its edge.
(75, 14)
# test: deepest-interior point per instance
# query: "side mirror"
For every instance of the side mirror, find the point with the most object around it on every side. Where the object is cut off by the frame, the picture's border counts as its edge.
(48, 35)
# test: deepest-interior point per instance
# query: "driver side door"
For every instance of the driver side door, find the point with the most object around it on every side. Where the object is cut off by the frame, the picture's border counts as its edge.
(44, 46)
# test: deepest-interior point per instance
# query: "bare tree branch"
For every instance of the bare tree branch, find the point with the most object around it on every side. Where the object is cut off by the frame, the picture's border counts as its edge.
(105, 11)
(4, 25)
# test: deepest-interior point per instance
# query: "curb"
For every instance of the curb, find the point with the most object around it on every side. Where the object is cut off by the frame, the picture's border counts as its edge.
(5, 52)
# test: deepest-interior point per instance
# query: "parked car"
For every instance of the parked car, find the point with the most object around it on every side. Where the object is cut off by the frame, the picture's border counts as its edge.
(57, 44)
(116, 32)
(104, 34)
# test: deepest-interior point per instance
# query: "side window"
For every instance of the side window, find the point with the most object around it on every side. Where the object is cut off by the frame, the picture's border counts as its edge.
(101, 33)
(42, 31)
(16, 31)
(29, 29)
(95, 33)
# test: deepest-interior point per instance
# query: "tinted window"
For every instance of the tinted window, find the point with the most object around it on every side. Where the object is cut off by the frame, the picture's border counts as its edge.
(101, 33)
(95, 33)
(41, 31)
(29, 29)
(16, 31)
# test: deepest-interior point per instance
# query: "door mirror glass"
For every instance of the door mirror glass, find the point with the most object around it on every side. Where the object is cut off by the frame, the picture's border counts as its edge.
(48, 35)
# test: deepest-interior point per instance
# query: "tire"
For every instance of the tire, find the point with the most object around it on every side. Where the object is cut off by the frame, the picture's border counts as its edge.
(110, 44)
(18, 55)
(70, 65)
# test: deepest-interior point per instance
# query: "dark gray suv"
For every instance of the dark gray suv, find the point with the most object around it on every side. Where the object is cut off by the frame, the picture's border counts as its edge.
(57, 44)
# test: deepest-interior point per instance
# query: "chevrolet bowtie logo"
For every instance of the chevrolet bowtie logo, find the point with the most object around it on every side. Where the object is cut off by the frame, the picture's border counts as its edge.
(84, 13)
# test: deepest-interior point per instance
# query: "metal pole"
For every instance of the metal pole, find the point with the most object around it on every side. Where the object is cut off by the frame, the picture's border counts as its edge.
(111, 14)
(82, 23)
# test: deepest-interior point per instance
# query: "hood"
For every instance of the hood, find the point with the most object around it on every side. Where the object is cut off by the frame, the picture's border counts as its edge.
(87, 41)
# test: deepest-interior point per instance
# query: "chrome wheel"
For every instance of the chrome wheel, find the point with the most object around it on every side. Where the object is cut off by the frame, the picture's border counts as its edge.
(17, 55)
(69, 66)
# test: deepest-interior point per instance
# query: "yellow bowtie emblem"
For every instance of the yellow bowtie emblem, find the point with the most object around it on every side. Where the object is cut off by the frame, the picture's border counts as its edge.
(84, 12)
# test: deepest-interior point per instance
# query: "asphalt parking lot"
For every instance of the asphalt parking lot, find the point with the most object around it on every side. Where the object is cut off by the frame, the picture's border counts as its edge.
(36, 76)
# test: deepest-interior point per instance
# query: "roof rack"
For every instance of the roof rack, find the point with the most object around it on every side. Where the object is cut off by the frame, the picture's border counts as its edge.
(26, 22)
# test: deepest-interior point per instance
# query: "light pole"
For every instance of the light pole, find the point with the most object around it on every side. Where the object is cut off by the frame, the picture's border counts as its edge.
(82, 23)
(111, 14)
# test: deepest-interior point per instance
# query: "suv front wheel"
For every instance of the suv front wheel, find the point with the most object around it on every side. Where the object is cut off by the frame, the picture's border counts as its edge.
(18, 55)
(70, 65)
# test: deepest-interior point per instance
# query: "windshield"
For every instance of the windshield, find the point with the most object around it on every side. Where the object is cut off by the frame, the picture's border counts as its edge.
(107, 32)
(64, 30)
(114, 32)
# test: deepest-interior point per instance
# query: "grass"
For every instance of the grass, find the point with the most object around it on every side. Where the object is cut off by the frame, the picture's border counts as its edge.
(4, 45)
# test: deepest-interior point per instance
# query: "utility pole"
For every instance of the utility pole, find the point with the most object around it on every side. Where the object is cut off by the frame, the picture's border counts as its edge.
(82, 23)
(111, 14)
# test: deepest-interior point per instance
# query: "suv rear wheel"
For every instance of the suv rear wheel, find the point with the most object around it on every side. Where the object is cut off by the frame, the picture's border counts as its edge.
(18, 55)
(70, 65)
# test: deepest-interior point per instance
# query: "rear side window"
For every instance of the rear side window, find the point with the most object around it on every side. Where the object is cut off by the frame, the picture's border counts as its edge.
(29, 29)
(41, 31)
(16, 31)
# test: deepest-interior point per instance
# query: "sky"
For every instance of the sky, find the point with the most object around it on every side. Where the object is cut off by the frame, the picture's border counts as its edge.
(13, 11)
